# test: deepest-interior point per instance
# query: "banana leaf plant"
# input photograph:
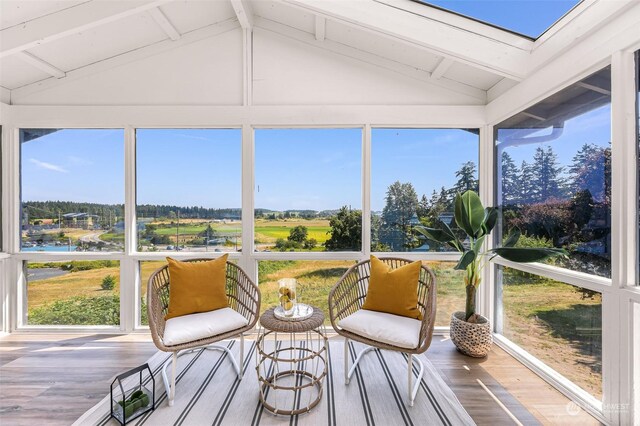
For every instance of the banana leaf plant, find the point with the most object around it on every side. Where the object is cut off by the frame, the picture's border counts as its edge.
(476, 222)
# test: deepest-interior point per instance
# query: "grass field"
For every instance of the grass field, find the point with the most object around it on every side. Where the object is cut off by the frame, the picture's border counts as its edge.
(547, 318)
(81, 283)
(268, 231)
(554, 323)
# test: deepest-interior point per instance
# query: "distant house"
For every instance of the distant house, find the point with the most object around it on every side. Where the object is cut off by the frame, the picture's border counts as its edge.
(446, 217)
(78, 220)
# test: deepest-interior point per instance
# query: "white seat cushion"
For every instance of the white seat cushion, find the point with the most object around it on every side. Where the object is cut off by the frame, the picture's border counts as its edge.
(385, 328)
(188, 328)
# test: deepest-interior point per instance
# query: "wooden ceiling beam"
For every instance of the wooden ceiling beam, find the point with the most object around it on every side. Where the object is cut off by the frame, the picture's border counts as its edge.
(441, 38)
(441, 68)
(70, 21)
(244, 12)
(163, 22)
(321, 28)
(41, 64)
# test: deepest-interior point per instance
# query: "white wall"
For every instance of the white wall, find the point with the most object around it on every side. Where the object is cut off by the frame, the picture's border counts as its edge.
(289, 72)
(205, 72)
(210, 72)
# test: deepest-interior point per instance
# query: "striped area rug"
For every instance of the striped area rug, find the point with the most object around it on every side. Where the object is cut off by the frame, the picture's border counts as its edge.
(208, 393)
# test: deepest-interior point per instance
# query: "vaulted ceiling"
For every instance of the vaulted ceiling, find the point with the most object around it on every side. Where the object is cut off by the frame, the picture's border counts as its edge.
(49, 39)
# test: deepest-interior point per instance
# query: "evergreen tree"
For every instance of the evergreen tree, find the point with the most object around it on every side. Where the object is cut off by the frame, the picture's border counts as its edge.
(510, 181)
(466, 179)
(401, 205)
(526, 191)
(423, 207)
(547, 182)
(588, 171)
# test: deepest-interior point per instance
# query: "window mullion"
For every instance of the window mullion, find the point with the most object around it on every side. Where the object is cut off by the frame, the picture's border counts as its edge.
(366, 191)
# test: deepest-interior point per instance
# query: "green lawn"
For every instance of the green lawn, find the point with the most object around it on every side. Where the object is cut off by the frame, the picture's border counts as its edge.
(270, 234)
(113, 237)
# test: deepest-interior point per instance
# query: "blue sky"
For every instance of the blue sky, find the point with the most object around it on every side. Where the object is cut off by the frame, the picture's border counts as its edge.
(593, 127)
(295, 169)
(528, 17)
(189, 167)
(75, 165)
(300, 169)
(428, 158)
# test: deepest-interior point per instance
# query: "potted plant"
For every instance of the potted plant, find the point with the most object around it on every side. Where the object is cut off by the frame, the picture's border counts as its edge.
(470, 332)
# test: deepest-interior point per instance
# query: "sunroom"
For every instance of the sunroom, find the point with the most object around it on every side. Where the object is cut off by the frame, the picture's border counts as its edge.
(303, 146)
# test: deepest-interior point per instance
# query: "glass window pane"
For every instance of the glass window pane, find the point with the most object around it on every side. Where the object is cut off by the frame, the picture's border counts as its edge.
(415, 175)
(557, 323)
(315, 279)
(450, 290)
(72, 189)
(189, 189)
(77, 292)
(554, 174)
(305, 178)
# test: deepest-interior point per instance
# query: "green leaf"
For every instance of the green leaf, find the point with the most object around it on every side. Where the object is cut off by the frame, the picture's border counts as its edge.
(469, 213)
(460, 214)
(444, 234)
(477, 246)
(439, 235)
(490, 219)
(467, 259)
(512, 238)
(526, 254)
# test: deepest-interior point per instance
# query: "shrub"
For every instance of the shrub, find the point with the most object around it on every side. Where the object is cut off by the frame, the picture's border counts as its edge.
(108, 282)
(78, 310)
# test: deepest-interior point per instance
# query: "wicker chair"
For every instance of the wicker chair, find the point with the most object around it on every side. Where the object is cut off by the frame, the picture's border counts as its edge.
(244, 299)
(347, 297)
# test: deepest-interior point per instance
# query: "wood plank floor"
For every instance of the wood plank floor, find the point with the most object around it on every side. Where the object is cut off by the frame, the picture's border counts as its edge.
(51, 379)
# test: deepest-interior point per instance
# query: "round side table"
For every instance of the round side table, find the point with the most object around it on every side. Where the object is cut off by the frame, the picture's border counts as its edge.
(290, 374)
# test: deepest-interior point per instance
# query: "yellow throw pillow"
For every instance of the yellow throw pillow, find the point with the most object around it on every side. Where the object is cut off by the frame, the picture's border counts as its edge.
(197, 286)
(394, 291)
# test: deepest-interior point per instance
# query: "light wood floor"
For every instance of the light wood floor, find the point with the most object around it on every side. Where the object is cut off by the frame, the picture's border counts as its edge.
(51, 379)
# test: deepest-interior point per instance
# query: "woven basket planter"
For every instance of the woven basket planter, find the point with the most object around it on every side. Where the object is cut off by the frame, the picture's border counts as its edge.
(471, 339)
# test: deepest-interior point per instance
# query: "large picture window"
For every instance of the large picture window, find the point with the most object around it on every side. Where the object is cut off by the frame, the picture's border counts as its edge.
(415, 175)
(189, 191)
(72, 190)
(554, 174)
(308, 189)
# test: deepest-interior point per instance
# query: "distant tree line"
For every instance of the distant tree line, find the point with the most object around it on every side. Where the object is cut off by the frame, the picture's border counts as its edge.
(51, 209)
(165, 211)
(544, 179)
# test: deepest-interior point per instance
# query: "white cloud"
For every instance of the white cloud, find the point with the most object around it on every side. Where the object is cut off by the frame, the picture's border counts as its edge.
(79, 161)
(48, 166)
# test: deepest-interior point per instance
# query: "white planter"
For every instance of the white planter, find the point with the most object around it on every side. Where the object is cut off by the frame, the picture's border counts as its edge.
(472, 339)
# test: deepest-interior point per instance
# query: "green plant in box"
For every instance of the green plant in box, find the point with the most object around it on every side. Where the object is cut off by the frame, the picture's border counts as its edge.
(474, 223)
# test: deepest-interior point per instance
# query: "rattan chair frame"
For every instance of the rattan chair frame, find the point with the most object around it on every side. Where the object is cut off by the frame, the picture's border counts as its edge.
(347, 297)
(243, 295)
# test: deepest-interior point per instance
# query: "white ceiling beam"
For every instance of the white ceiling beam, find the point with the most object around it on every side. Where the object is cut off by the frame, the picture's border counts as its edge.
(443, 39)
(594, 88)
(535, 117)
(70, 21)
(244, 12)
(321, 28)
(128, 57)
(369, 58)
(441, 68)
(41, 65)
(163, 22)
